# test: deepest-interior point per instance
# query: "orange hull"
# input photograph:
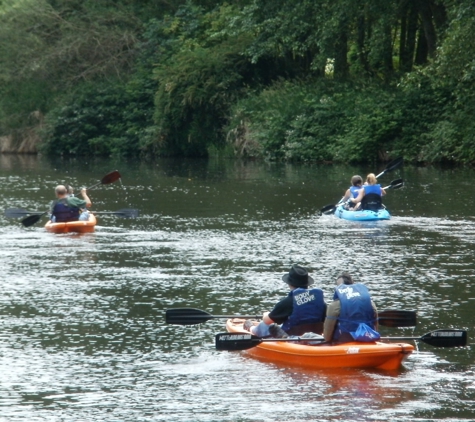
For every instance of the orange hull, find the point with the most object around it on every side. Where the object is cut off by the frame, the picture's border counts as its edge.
(73, 226)
(387, 356)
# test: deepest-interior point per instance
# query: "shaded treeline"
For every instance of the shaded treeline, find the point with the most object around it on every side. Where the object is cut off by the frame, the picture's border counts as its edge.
(309, 80)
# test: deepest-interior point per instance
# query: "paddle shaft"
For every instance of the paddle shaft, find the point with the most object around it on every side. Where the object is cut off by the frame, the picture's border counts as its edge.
(126, 212)
(191, 316)
(243, 341)
(19, 212)
(393, 165)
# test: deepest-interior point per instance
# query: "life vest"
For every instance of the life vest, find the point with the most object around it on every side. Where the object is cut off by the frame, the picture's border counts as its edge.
(372, 189)
(356, 308)
(63, 212)
(354, 190)
(308, 307)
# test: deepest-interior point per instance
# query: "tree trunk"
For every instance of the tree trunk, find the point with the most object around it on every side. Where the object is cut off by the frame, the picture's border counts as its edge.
(422, 49)
(411, 37)
(425, 12)
(341, 50)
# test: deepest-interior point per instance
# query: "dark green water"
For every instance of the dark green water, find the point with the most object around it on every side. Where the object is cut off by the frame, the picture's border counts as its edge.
(83, 335)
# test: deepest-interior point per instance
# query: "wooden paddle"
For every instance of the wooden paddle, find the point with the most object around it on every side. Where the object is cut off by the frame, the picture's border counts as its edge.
(330, 209)
(243, 341)
(191, 316)
(107, 179)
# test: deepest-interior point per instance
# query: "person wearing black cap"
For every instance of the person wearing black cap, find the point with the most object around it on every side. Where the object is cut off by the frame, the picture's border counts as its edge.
(303, 310)
(352, 305)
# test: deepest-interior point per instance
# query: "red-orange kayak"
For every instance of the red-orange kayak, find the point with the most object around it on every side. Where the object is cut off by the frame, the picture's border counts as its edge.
(73, 226)
(387, 356)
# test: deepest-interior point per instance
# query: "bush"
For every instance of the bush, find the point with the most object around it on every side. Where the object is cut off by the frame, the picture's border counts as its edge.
(102, 120)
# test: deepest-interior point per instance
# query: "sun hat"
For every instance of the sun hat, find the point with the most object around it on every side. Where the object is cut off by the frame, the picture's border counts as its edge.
(298, 277)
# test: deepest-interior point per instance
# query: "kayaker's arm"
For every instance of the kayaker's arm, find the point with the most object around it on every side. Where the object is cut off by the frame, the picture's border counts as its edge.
(86, 198)
(375, 310)
(268, 320)
(333, 312)
(359, 198)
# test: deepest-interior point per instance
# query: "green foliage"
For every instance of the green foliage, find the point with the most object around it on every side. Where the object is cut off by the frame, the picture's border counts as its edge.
(197, 84)
(285, 80)
(102, 121)
(453, 137)
(337, 121)
(291, 121)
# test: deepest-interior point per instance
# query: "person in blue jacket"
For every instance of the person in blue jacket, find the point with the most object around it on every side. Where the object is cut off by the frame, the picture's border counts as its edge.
(370, 197)
(352, 305)
(354, 189)
(302, 311)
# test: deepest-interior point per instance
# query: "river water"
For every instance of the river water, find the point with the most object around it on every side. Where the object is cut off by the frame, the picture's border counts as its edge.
(83, 332)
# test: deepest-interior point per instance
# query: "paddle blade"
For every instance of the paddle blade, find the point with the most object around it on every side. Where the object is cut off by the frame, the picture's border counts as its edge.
(17, 212)
(128, 213)
(328, 209)
(236, 341)
(32, 219)
(397, 182)
(446, 338)
(107, 179)
(186, 316)
(112, 177)
(396, 318)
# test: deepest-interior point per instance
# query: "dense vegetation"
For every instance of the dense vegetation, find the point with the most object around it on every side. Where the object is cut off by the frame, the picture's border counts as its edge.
(308, 80)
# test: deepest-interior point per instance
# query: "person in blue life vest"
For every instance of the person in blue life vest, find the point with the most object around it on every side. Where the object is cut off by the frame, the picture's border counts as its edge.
(370, 197)
(69, 208)
(353, 190)
(352, 305)
(302, 311)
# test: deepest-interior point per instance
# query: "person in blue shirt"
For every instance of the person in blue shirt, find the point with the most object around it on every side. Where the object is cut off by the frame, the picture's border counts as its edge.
(354, 189)
(352, 305)
(370, 197)
(302, 311)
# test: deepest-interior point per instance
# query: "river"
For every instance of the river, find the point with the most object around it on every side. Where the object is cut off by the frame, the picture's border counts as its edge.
(83, 331)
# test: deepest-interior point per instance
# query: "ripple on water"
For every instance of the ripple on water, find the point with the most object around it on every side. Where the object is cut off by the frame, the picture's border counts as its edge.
(84, 338)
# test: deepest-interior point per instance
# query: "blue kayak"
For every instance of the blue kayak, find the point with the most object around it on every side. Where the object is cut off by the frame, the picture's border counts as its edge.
(363, 215)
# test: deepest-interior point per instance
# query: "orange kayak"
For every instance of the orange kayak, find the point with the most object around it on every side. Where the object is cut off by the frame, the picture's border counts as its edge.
(387, 356)
(73, 226)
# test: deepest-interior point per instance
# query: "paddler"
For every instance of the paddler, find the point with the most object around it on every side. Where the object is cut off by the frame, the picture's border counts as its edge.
(69, 208)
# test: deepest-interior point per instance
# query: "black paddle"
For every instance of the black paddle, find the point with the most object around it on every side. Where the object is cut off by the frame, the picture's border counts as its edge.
(330, 209)
(19, 212)
(107, 179)
(126, 212)
(243, 341)
(191, 316)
